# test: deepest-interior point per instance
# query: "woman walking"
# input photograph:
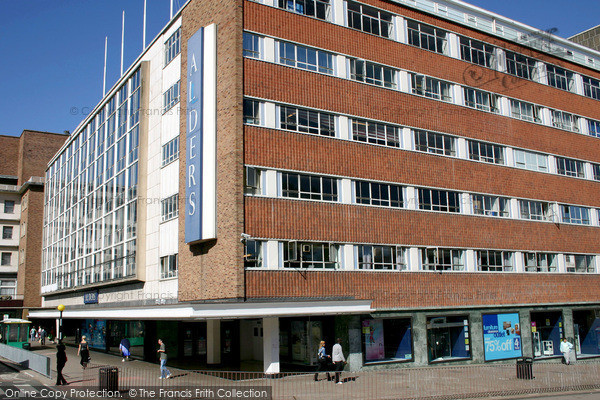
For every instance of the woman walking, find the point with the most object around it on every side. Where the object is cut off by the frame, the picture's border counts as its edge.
(84, 352)
(323, 359)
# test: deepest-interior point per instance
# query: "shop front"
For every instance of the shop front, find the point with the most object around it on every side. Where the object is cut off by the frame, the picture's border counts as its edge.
(586, 328)
(386, 340)
(546, 333)
(448, 338)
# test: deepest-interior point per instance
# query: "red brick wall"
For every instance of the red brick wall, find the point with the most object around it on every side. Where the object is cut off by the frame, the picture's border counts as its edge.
(9, 155)
(425, 289)
(214, 270)
(35, 151)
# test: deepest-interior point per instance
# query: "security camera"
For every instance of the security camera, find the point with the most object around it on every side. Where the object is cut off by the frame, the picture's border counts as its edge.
(244, 237)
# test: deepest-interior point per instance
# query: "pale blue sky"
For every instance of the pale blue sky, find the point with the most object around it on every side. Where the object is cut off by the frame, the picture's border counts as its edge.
(52, 52)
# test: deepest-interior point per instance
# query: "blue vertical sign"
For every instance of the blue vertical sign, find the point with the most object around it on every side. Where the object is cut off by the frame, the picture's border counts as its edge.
(501, 336)
(194, 138)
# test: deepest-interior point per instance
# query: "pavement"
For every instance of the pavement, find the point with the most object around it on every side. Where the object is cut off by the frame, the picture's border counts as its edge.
(498, 381)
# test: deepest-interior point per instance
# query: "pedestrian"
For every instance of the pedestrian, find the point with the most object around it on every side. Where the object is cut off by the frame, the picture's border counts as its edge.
(323, 358)
(125, 347)
(43, 335)
(61, 360)
(162, 353)
(566, 348)
(84, 352)
(39, 334)
(337, 356)
(32, 334)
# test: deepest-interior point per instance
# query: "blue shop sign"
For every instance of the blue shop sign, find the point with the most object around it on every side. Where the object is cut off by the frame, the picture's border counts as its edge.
(502, 336)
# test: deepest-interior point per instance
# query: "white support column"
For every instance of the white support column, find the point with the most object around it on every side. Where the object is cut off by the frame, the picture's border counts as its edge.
(551, 164)
(338, 12)
(407, 139)
(414, 259)
(404, 79)
(588, 171)
(465, 203)
(578, 81)
(271, 345)
(542, 72)
(399, 28)
(514, 209)
(343, 128)
(583, 126)
(271, 250)
(270, 115)
(453, 45)
(518, 262)
(213, 341)
(340, 67)
(411, 198)
(458, 96)
(269, 46)
(562, 264)
(500, 58)
(504, 105)
(594, 217)
(509, 157)
(348, 257)
(470, 261)
(270, 183)
(554, 210)
(346, 191)
(546, 116)
(462, 150)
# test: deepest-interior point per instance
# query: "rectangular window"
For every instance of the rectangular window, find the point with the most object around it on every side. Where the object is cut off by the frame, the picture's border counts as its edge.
(6, 259)
(591, 87)
(476, 52)
(540, 262)
(448, 338)
(9, 207)
(569, 167)
(560, 78)
(171, 97)
(378, 194)
(486, 152)
(381, 257)
(251, 43)
(170, 151)
(8, 287)
(170, 207)
(253, 254)
(310, 255)
(439, 200)
(525, 111)
(320, 9)
(172, 46)
(7, 232)
(532, 161)
(594, 127)
(307, 121)
(252, 112)
(433, 88)
(438, 259)
(493, 206)
(437, 143)
(374, 132)
(534, 210)
(564, 120)
(494, 261)
(308, 187)
(252, 183)
(596, 172)
(520, 65)
(480, 100)
(368, 72)
(427, 37)
(305, 58)
(370, 20)
(575, 214)
(168, 266)
(580, 263)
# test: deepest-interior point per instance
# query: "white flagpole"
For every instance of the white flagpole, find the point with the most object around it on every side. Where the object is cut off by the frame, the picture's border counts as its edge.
(104, 81)
(144, 29)
(171, 12)
(122, 41)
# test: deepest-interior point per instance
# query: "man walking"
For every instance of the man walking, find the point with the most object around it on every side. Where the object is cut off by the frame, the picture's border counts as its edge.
(338, 359)
(61, 360)
(566, 348)
(162, 352)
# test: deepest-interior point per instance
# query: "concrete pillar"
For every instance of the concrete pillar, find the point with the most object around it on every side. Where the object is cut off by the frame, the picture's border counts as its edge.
(355, 355)
(271, 345)
(476, 337)
(419, 331)
(213, 341)
(526, 344)
(568, 325)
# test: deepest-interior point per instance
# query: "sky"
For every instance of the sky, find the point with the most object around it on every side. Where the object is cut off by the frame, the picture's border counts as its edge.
(52, 52)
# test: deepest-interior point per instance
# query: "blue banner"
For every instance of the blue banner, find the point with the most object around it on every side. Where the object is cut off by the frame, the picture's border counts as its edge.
(501, 336)
(194, 138)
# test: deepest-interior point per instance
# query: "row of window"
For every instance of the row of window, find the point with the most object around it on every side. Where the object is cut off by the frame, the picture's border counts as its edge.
(299, 56)
(294, 254)
(314, 187)
(304, 120)
(381, 23)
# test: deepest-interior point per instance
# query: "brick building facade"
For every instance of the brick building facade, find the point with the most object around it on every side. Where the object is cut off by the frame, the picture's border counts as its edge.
(417, 179)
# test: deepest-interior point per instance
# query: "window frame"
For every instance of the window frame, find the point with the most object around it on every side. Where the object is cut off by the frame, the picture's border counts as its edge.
(436, 265)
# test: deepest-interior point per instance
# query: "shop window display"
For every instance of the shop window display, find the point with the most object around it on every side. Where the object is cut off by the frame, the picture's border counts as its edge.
(448, 338)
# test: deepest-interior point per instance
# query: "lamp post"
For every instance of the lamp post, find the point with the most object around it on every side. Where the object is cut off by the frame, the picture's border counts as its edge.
(60, 308)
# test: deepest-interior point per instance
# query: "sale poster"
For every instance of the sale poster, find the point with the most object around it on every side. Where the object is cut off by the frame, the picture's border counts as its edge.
(373, 336)
(501, 336)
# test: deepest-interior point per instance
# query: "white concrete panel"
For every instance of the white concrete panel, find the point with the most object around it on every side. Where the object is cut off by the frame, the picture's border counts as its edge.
(169, 240)
(169, 124)
(169, 180)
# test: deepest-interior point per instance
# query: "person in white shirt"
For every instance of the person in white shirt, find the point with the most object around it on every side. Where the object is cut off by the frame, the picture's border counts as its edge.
(338, 359)
(566, 348)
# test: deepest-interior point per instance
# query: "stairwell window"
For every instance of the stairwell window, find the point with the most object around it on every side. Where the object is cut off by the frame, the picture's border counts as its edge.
(370, 20)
